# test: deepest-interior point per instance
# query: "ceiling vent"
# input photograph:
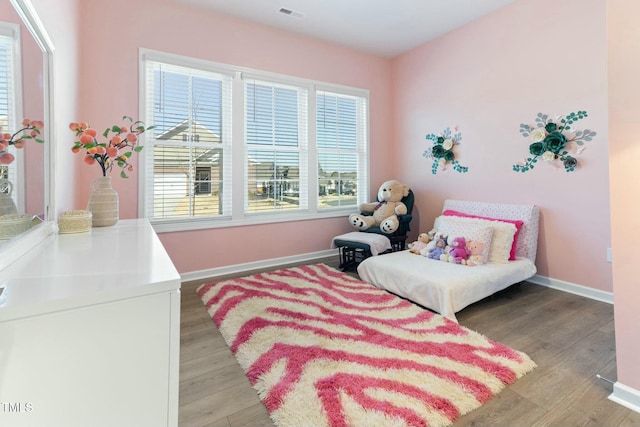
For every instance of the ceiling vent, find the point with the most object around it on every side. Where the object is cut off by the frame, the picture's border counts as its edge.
(290, 12)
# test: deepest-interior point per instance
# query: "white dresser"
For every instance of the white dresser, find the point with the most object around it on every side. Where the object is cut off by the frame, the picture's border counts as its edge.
(90, 332)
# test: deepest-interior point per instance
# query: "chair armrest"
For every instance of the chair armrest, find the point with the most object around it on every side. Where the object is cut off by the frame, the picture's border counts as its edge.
(406, 218)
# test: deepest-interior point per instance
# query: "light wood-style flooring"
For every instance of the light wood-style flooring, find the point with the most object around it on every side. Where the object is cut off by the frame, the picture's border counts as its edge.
(571, 339)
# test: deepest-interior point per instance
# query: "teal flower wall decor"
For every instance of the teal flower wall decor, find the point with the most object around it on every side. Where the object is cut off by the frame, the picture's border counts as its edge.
(442, 150)
(551, 140)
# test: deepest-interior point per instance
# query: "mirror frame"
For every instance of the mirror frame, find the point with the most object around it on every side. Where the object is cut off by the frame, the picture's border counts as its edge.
(14, 248)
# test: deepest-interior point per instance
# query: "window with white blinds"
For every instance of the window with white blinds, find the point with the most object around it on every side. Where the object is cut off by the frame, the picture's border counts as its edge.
(275, 135)
(187, 161)
(341, 127)
(9, 98)
(234, 146)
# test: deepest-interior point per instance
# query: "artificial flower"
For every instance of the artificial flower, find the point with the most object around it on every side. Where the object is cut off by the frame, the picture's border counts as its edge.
(30, 130)
(442, 151)
(548, 156)
(538, 134)
(122, 142)
(552, 139)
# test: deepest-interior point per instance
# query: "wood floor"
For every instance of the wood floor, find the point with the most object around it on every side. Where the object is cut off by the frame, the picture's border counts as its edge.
(571, 339)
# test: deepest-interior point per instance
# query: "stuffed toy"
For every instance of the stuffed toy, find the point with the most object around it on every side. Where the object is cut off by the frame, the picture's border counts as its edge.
(475, 253)
(458, 251)
(384, 213)
(436, 235)
(419, 245)
(438, 250)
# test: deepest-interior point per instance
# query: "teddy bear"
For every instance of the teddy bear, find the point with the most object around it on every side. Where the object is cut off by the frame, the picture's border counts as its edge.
(384, 214)
(458, 251)
(419, 245)
(437, 251)
(475, 253)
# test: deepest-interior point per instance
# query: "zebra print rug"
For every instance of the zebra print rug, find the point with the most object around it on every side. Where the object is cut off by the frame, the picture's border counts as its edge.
(325, 349)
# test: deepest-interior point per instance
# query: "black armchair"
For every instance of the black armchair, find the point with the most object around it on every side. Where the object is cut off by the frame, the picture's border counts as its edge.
(353, 251)
(399, 237)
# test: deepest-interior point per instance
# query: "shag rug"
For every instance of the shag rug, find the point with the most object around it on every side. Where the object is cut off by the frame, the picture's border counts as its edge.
(325, 349)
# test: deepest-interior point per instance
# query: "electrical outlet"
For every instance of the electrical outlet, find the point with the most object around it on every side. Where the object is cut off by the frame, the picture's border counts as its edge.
(609, 255)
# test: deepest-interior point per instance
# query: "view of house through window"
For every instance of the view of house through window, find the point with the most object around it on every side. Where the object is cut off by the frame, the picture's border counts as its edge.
(301, 150)
(187, 112)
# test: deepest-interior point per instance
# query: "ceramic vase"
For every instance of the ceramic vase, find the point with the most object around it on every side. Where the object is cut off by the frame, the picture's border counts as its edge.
(103, 203)
(7, 205)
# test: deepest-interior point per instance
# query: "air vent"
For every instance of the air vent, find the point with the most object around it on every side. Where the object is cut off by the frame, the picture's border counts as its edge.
(290, 12)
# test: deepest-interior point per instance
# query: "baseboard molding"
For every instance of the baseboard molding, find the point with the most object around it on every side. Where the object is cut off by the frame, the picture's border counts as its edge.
(626, 396)
(257, 265)
(560, 285)
(572, 288)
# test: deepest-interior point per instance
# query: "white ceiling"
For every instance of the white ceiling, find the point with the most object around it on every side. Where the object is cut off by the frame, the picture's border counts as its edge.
(382, 27)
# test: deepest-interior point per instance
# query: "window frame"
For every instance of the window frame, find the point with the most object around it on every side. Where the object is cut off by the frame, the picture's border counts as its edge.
(16, 170)
(239, 150)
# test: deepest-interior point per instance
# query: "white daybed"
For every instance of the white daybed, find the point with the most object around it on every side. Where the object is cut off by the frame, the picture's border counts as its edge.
(448, 288)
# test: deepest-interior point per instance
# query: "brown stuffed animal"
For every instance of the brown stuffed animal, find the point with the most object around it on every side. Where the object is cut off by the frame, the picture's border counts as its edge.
(419, 247)
(385, 211)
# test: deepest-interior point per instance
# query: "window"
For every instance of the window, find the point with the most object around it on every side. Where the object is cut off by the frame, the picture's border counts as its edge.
(275, 121)
(340, 127)
(10, 104)
(189, 109)
(235, 146)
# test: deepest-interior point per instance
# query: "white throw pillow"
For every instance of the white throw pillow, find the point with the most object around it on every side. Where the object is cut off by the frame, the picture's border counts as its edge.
(501, 239)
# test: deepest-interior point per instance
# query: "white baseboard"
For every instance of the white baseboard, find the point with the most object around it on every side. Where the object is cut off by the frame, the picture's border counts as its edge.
(572, 288)
(626, 396)
(257, 265)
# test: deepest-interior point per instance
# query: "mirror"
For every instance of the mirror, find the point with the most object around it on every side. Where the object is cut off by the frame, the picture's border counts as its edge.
(31, 178)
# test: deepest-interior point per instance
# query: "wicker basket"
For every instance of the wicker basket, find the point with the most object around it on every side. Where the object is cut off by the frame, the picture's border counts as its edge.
(13, 224)
(78, 221)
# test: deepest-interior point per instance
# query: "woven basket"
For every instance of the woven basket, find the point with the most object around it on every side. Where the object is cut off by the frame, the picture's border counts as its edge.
(78, 221)
(13, 224)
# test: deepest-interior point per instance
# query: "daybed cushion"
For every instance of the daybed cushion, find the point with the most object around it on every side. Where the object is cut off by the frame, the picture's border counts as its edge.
(447, 288)
(443, 287)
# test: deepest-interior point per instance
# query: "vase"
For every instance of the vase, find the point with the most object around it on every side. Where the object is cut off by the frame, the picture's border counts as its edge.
(7, 205)
(103, 203)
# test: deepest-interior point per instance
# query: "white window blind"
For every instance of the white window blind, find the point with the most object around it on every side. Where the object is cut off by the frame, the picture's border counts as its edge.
(188, 158)
(276, 143)
(341, 124)
(9, 81)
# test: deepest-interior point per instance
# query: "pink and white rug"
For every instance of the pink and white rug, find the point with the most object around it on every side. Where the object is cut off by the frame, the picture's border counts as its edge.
(324, 349)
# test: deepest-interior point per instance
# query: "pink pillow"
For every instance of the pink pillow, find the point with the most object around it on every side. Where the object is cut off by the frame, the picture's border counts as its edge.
(518, 223)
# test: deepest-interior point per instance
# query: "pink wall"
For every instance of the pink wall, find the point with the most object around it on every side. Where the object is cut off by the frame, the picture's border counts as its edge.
(624, 128)
(113, 31)
(487, 78)
(60, 18)
(33, 108)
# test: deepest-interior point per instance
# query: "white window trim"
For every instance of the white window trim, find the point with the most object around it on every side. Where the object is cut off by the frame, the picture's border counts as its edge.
(238, 152)
(12, 30)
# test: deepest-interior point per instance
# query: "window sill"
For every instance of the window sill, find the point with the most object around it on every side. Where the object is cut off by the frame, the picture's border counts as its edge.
(176, 225)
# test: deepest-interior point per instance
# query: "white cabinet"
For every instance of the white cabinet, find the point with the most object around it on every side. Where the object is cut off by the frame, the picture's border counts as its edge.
(90, 332)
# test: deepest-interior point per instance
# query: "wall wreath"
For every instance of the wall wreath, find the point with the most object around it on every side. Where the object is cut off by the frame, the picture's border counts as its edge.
(555, 141)
(442, 150)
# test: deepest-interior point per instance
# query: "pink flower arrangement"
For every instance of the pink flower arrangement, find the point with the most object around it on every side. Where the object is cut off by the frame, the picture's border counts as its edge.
(122, 142)
(30, 130)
